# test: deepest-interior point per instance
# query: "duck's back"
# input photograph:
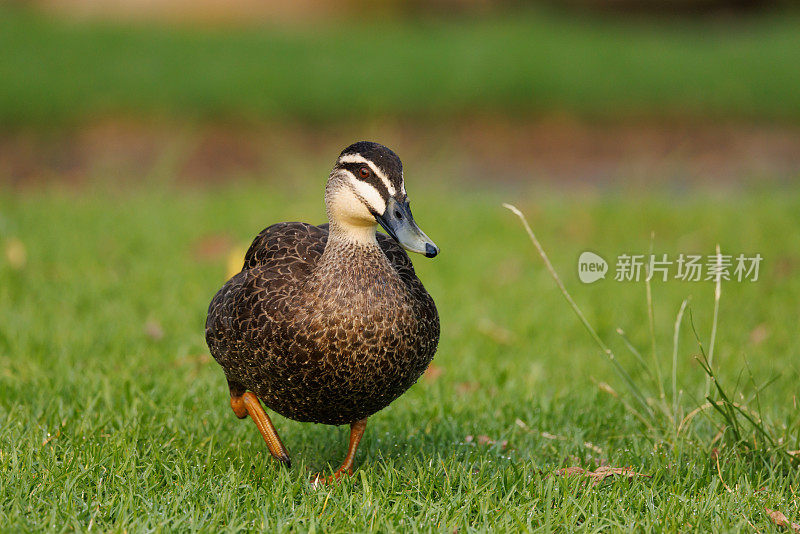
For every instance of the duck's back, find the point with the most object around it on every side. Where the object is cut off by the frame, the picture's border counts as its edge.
(322, 361)
(277, 263)
(291, 248)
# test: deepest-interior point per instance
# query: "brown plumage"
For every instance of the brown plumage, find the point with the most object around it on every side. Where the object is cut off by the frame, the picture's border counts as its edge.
(329, 324)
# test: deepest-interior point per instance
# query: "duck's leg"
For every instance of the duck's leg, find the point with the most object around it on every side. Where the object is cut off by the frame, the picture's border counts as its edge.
(245, 404)
(356, 432)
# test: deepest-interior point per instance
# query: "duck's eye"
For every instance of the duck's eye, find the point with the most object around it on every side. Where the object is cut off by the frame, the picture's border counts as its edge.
(364, 172)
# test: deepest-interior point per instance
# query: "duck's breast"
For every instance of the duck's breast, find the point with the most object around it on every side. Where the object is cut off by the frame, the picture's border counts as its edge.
(348, 350)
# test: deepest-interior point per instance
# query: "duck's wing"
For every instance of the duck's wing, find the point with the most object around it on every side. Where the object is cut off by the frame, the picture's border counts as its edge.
(289, 244)
(397, 256)
(426, 311)
(299, 243)
(279, 258)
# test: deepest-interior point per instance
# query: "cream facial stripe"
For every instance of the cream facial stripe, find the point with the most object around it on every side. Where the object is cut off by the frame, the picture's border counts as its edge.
(368, 194)
(357, 158)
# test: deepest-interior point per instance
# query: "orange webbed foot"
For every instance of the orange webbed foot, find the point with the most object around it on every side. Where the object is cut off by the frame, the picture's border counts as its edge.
(346, 469)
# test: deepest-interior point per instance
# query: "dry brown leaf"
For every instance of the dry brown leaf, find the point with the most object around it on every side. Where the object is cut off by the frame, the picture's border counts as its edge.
(571, 471)
(602, 386)
(193, 359)
(467, 387)
(16, 253)
(51, 437)
(495, 332)
(432, 373)
(593, 447)
(153, 329)
(781, 520)
(759, 334)
(520, 423)
(600, 474)
(212, 247)
(486, 440)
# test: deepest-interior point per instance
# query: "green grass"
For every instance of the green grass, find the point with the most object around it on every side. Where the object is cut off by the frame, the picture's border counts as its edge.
(104, 425)
(56, 72)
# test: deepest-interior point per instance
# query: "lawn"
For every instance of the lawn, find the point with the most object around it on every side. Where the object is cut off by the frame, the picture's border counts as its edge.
(114, 417)
(531, 63)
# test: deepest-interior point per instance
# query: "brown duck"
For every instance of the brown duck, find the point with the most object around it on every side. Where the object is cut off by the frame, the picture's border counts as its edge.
(329, 324)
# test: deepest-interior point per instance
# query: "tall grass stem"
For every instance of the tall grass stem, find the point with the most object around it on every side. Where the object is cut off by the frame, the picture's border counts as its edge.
(675, 338)
(717, 294)
(605, 349)
(651, 319)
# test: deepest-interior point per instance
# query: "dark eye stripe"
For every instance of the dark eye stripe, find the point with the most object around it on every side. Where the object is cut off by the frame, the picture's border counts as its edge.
(372, 180)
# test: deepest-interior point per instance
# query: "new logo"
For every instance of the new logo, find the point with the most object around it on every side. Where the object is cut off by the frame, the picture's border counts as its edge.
(591, 267)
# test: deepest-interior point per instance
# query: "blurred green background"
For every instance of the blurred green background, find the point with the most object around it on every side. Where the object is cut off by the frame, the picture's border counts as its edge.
(584, 91)
(144, 143)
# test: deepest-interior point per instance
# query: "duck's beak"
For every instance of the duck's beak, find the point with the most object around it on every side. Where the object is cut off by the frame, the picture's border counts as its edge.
(399, 223)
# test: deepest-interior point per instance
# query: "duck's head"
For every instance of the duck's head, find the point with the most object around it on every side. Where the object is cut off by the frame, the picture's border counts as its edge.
(365, 189)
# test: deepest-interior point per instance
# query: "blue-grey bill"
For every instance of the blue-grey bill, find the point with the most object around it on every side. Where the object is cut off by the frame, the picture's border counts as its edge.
(399, 224)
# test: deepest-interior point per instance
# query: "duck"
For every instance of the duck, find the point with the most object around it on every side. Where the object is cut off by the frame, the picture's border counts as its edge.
(329, 324)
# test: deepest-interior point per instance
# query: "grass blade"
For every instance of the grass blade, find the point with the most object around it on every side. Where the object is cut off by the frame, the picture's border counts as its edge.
(675, 337)
(636, 353)
(717, 294)
(605, 349)
(651, 322)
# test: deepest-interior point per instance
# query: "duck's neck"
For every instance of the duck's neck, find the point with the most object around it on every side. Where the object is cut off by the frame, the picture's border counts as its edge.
(354, 271)
(351, 251)
(351, 235)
